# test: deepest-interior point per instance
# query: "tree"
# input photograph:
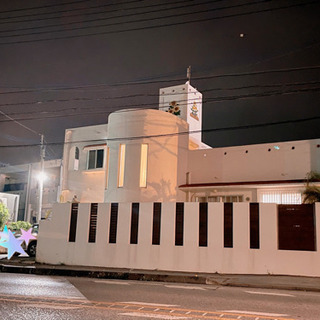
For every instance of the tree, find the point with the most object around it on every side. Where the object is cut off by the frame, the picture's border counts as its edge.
(311, 193)
(4, 215)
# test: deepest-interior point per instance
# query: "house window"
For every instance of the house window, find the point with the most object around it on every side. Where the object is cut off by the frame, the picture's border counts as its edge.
(143, 165)
(122, 155)
(221, 198)
(95, 159)
(107, 167)
(280, 196)
(74, 158)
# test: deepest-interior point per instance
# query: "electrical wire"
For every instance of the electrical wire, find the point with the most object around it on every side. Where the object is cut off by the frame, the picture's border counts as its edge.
(160, 26)
(125, 16)
(216, 76)
(94, 13)
(242, 127)
(59, 4)
(149, 106)
(142, 95)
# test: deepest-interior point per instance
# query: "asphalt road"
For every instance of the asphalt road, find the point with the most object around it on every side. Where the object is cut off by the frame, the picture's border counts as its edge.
(45, 297)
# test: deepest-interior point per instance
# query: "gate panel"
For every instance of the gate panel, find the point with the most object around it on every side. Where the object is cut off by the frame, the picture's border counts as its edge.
(296, 227)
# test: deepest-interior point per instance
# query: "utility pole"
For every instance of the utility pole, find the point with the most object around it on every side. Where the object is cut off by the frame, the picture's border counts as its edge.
(42, 156)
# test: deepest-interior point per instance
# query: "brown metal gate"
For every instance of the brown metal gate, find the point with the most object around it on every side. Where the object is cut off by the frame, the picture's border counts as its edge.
(296, 227)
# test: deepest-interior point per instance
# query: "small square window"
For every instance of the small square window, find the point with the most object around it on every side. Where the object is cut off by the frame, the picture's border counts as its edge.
(95, 159)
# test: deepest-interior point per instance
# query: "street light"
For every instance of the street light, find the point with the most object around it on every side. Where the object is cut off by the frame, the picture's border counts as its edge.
(42, 177)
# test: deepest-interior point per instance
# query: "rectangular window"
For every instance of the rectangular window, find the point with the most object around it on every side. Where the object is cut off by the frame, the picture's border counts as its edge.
(203, 224)
(122, 155)
(280, 196)
(179, 223)
(156, 223)
(254, 226)
(93, 222)
(143, 165)
(134, 223)
(73, 222)
(113, 223)
(228, 225)
(107, 167)
(95, 159)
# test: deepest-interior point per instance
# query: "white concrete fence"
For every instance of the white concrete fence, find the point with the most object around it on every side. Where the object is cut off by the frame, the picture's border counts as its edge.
(57, 246)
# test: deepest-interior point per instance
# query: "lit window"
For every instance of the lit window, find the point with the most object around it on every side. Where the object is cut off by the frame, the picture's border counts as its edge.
(143, 165)
(95, 159)
(76, 158)
(280, 196)
(122, 155)
(107, 168)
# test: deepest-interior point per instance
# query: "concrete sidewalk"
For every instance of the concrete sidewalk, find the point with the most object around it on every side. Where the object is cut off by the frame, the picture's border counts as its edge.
(29, 266)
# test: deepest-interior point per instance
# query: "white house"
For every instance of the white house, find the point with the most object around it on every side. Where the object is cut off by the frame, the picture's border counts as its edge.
(153, 196)
(157, 155)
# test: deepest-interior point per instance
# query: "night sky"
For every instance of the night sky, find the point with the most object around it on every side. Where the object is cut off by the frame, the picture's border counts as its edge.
(255, 62)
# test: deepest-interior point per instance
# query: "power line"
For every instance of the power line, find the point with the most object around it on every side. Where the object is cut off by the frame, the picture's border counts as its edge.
(127, 15)
(226, 75)
(163, 25)
(144, 95)
(207, 101)
(91, 13)
(250, 126)
(20, 124)
(55, 5)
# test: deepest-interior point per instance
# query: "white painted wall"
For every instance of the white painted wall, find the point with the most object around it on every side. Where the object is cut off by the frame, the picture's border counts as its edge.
(88, 185)
(258, 164)
(186, 96)
(54, 248)
(167, 149)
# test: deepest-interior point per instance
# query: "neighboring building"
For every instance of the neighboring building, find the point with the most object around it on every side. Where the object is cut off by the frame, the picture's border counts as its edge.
(11, 201)
(152, 155)
(22, 180)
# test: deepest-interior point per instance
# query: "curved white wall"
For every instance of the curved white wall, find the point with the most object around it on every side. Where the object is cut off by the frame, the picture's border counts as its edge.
(166, 146)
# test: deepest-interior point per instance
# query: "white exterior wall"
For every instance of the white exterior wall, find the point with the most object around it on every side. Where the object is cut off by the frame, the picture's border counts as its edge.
(259, 164)
(186, 96)
(167, 148)
(88, 185)
(54, 248)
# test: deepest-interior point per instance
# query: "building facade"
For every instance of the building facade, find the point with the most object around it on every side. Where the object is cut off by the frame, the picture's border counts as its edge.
(157, 155)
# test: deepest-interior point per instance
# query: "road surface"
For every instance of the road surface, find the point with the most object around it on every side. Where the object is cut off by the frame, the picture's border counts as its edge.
(45, 297)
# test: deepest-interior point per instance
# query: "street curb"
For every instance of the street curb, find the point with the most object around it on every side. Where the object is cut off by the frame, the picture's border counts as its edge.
(219, 280)
(130, 275)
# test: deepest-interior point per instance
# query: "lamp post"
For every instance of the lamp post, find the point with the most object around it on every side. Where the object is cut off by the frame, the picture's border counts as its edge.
(41, 177)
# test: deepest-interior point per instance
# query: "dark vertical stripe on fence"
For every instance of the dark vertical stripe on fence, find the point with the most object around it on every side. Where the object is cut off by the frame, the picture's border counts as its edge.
(93, 222)
(179, 223)
(73, 222)
(254, 226)
(156, 229)
(134, 223)
(113, 223)
(228, 225)
(203, 224)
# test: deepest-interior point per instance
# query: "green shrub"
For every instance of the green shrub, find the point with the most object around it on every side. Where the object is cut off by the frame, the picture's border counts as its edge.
(16, 226)
(4, 215)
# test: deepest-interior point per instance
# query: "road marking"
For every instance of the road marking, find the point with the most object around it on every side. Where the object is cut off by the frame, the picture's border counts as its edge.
(257, 313)
(185, 287)
(151, 304)
(112, 282)
(150, 315)
(271, 293)
(50, 306)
